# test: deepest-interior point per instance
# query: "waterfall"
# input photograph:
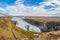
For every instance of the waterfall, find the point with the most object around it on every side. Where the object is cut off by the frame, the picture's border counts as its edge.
(23, 24)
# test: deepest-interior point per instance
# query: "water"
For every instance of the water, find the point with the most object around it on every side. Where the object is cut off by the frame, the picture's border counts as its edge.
(22, 24)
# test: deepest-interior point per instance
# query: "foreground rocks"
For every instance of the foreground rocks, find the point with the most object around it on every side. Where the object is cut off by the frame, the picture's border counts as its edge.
(51, 36)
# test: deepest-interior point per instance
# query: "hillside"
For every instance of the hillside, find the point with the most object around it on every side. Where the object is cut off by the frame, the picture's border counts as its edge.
(9, 31)
(5, 28)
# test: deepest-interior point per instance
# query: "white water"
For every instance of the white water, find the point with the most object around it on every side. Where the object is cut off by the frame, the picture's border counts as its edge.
(22, 24)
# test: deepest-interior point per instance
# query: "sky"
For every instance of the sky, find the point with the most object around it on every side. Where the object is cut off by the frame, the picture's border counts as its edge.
(31, 7)
(4, 3)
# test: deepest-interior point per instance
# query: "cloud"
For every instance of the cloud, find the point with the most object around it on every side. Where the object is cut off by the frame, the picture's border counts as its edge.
(2, 9)
(3, 12)
(21, 10)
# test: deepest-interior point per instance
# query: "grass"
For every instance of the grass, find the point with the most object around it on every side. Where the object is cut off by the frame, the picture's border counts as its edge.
(8, 30)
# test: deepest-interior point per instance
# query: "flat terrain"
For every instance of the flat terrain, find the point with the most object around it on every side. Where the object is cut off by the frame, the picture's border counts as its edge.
(44, 19)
